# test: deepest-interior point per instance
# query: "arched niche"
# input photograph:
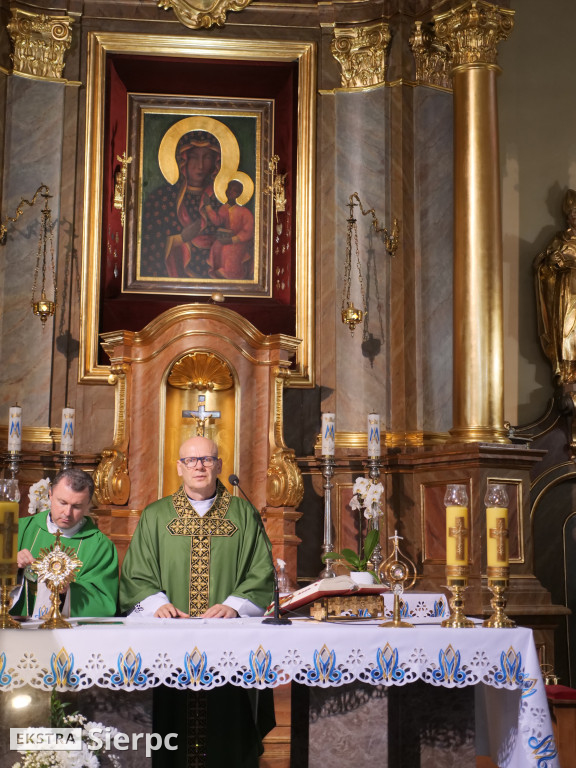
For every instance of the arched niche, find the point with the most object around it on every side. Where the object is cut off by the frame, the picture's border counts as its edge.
(200, 382)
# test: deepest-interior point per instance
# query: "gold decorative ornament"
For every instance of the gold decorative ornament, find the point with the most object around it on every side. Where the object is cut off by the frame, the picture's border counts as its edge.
(111, 479)
(361, 53)
(203, 14)
(42, 306)
(276, 186)
(399, 573)
(284, 484)
(120, 177)
(40, 43)
(472, 30)
(201, 370)
(351, 315)
(57, 566)
(431, 57)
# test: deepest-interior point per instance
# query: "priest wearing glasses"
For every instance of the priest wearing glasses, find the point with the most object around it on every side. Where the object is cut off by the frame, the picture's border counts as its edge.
(202, 553)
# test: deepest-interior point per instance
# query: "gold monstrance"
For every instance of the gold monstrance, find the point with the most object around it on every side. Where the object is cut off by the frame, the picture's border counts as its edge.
(57, 566)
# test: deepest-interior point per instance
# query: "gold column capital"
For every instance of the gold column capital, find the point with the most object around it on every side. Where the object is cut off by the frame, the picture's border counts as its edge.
(361, 53)
(472, 30)
(430, 56)
(40, 43)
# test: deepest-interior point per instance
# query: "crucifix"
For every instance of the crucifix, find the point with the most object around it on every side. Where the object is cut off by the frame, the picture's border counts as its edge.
(460, 532)
(7, 529)
(201, 530)
(201, 416)
(500, 533)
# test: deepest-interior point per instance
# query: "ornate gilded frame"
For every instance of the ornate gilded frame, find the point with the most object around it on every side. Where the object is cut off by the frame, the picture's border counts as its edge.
(302, 53)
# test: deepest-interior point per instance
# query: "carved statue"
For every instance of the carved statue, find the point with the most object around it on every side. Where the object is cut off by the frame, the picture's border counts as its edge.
(555, 274)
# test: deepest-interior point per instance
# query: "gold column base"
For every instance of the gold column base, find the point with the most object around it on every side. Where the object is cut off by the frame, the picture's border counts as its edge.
(498, 603)
(479, 435)
(6, 621)
(457, 618)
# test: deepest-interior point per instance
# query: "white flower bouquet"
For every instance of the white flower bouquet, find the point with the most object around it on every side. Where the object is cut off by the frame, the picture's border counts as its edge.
(367, 496)
(39, 495)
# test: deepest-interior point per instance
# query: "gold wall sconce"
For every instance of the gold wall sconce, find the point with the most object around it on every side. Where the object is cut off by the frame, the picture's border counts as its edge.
(42, 306)
(351, 315)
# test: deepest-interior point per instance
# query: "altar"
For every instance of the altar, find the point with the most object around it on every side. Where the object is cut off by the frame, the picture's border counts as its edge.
(512, 719)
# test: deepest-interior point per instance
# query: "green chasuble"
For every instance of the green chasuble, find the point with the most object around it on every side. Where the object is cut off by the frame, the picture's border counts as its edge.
(197, 561)
(95, 589)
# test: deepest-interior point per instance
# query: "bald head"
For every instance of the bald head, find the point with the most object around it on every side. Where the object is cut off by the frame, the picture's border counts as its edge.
(199, 477)
(198, 446)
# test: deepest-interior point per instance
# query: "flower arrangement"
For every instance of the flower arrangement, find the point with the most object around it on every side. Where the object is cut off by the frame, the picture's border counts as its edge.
(367, 495)
(87, 757)
(39, 496)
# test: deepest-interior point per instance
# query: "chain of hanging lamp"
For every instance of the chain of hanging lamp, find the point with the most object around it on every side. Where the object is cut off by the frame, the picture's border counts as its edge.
(352, 315)
(43, 306)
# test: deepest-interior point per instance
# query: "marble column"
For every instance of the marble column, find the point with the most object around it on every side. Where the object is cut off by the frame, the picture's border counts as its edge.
(470, 33)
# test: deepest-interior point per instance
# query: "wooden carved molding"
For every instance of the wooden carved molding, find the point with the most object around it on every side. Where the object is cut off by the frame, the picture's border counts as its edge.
(361, 53)
(111, 479)
(203, 14)
(284, 484)
(40, 43)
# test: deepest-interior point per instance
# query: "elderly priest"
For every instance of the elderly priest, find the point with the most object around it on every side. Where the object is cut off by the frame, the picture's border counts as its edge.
(202, 553)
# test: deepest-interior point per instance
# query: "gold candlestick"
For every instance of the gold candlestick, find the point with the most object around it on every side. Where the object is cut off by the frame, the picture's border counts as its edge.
(57, 566)
(457, 582)
(498, 584)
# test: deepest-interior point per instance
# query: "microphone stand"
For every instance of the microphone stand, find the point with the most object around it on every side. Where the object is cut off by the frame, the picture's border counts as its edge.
(276, 618)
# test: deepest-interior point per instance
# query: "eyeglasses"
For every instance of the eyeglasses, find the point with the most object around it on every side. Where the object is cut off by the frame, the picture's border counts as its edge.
(192, 461)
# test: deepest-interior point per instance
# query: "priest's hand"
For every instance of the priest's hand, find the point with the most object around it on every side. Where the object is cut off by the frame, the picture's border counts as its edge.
(220, 611)
(24, 558)
(169, 611)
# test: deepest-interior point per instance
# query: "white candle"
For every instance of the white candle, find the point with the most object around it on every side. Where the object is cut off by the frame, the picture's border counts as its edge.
(328, 433)
(15, 429)
(373, 435)
(67, 439)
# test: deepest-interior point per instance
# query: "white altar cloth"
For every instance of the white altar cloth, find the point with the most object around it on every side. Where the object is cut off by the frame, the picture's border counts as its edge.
(513, 720)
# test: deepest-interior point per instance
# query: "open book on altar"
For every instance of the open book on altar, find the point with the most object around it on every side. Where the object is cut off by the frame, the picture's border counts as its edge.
(337, 585)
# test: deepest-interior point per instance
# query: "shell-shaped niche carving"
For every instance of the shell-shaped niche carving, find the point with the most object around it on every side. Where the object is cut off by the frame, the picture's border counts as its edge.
(201, 370)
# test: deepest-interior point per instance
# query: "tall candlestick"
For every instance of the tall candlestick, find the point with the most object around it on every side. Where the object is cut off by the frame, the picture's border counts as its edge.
(328, 434)
(15, 429)
(67, 439)
(497, 541)
(373, 435)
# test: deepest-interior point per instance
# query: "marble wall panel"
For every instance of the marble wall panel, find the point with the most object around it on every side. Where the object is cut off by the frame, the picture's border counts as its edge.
(32, 156)
(361, 166)
(433, 230)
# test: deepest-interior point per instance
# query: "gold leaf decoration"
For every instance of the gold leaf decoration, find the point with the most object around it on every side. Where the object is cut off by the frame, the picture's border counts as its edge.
(202, 371)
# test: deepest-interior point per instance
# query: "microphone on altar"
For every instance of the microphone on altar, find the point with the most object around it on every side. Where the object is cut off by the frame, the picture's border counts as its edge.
(276, 619)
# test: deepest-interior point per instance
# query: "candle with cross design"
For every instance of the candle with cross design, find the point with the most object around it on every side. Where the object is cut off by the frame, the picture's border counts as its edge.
(457, 538)
(8, 565)
(457, 528)
(497, 551)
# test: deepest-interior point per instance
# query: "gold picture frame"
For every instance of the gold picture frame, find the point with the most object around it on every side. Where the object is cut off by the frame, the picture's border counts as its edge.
(303, 55)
